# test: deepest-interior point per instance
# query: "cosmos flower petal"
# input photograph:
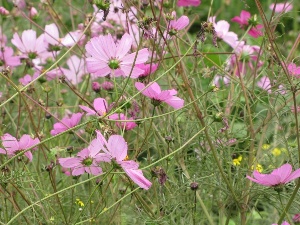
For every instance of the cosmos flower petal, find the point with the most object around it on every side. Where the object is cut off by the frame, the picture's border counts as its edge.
(138, 178)
(117, 147)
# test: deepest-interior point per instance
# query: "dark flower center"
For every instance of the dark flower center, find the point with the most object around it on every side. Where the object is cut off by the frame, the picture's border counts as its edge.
(32, 55)
(155, 102)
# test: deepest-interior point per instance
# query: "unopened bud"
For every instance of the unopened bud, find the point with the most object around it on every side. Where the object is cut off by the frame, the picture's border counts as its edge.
(96, 87)
(194, 186)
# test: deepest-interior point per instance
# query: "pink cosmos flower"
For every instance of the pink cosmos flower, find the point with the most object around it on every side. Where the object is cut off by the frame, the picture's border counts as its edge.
(148, 69)
(279, 176)
(108, 58)
(157, 95)
(284, 223)
(123, 125)
(7, 58)
(116, 149)
(294, 70)
(29, 45)
(76, 69)
(33, 13)
(222, 30)
(12, 146)
(100, 108)
(52, 37)
(296, 218)
(87, 160)
(3, 39)
(66, 123)
(281, 7)
(176, 25)
(27, 79)
(265, 83)
(4, 11)
(188, 2)
(245, 20)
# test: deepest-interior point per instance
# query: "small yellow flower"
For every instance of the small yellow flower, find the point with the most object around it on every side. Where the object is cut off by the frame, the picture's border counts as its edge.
(265, 146)
(237, 161)
(79, 202)
(259, 167)
(276, 152)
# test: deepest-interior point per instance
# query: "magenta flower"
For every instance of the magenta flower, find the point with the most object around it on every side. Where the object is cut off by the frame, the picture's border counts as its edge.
(66, 123)
(116, 149)
(294, 70)
(29, 45)
(123, 125)
(245, 20)
(108, 58)
(87, 160)
(281, 7)
(279, 176)
(157, 95)
(148, 69)
(296, 218)
(188, 2)
(4, 11)
(12, 146)
(100, 108)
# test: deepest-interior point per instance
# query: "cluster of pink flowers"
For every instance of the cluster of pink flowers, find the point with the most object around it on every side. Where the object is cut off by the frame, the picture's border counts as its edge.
(113, 150)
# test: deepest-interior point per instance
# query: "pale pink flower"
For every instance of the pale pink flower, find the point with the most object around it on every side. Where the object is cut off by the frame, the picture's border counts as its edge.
(148, 69)
(188, 2)
(52, 37)
(76, 69)
(33, 13)
(245, 20)
(279, 176)
(284, 223)
(3, 39)
(12, 146)
(21, 4)
(294, 70)
(29, 45)
(4, 11)
(7, 58)
(180, 24)
(87, 160)
(265, 83)
(116, 149)
(100, 108)
(154, 92)
(281, 7)
(108, 58)
(116, 14)
(27, 79)
(222, 31)
(66, 123)
(123, 125)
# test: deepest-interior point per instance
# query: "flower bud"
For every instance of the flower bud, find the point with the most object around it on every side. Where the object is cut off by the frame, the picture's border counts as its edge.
(96, 87)
(107, 85)
(33, 13)
(4, 11)
(194, 186)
